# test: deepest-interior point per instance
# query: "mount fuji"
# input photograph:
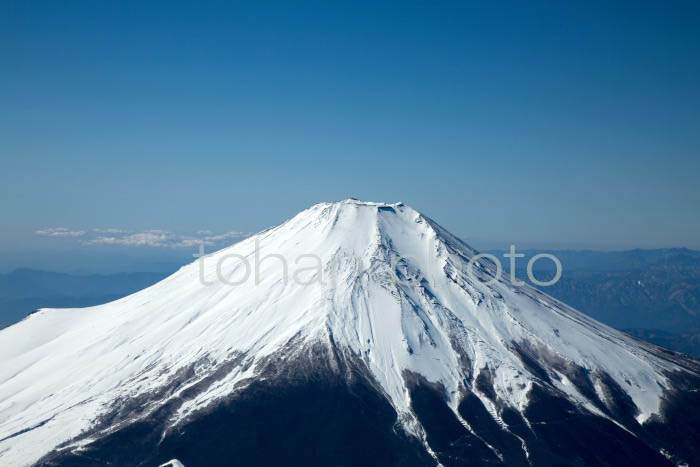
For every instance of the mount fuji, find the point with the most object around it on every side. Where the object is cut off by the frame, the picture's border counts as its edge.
(353, 334)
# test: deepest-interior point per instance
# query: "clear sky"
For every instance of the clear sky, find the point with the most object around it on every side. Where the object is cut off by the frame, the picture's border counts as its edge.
(561, 124)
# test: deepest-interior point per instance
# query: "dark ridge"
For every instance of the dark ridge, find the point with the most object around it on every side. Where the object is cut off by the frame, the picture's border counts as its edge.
(529, 359)
(320, 406)
(130, 409)
(453, 444)
(573, 437)
(484, 383)
(676, 433)
(532, 355)
(678, 429)
(300, 414)
(480, 420)
(312, 424)
(619, 403)
(539, 452)
(580, 377)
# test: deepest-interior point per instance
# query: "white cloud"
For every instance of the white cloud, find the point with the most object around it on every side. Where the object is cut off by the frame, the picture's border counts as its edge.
(154, 238)
(184, 242)
(110, 231)
(224, 236)
(60, 232)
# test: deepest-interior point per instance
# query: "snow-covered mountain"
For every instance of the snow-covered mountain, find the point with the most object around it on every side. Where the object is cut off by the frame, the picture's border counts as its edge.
(352, 334)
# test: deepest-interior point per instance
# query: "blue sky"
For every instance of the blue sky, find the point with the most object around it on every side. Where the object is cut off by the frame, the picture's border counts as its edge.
(562, 124)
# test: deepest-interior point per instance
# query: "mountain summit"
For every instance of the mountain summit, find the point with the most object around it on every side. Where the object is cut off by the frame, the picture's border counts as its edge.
(355, 333)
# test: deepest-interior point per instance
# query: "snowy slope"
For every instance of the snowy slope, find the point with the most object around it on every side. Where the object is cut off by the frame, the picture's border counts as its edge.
(352, 280)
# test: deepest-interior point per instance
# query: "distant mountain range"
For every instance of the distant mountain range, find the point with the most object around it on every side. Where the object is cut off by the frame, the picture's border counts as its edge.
(652, 294)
